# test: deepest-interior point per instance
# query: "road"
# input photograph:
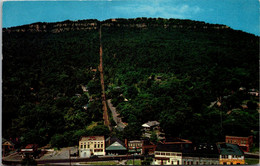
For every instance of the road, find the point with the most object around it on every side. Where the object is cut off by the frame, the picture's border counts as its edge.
(75, 160)
(115, 115)
(103, 95)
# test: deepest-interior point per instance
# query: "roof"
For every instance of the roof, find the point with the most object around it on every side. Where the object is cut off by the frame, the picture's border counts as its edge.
(112, 140)
(7, 142)
(135, 141)
(151, 124)
(237, 137)
(204, 150)
(230, 149)
(168, 148)
(31, 146)
(94, 138)
(116, 146)
(174, 140)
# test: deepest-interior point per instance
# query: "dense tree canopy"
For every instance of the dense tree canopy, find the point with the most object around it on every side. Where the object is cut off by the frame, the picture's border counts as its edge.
(154, 69)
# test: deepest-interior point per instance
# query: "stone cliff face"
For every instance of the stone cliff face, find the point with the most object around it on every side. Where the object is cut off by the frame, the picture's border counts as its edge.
(55, 27)
(142, 23)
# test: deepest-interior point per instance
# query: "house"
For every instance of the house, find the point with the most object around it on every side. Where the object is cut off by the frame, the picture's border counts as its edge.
(230, 154)
(151, 125)
(243, 142)
(135, 146)
(91, 145)
(253, 92)
(30, 150)
(7, 146)
(167, 155)
(114, 146)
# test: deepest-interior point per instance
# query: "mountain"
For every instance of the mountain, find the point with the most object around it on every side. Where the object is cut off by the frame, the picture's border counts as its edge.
(169, 70)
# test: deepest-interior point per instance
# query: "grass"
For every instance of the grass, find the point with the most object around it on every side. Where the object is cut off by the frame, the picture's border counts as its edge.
(100, 163)
(252, 161)
(130, 162)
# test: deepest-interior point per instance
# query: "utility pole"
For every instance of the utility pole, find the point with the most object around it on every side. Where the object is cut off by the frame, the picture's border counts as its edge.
(69, 158)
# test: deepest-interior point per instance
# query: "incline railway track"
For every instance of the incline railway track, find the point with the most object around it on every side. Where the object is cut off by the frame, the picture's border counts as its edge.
(103, 94)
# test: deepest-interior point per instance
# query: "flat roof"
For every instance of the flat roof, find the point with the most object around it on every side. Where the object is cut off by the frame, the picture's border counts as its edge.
(90, 138)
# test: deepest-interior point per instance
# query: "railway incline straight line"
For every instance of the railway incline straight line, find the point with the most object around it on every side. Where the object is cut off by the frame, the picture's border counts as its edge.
(103, 94)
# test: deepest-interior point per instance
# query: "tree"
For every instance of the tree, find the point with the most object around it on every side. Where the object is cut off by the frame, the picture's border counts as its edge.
(154, 138)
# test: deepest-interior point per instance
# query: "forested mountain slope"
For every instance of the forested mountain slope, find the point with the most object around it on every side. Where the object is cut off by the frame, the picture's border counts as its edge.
(168, 70)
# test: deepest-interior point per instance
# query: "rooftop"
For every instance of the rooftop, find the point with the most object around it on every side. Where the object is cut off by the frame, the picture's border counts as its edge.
(168, 148)
(94, 138)
(116, 146)
(111, 140)
(236, 136)
(151, 124)
(230, 149)
(174, 140)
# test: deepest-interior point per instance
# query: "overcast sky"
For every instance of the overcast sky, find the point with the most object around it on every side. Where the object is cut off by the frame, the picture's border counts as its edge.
(238, 14)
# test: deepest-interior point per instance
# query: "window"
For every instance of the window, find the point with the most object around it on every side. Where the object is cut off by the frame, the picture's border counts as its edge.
(81, 146)
(188, 163)
(167, 154)
(88, 145)
(172, 162)
(191, 163)
(101, 145)
(163, 154)
(184, 162)
(95, 145)
(98, 145)
(178, 162)
(157, 153)
(84, 146)
(197, 163)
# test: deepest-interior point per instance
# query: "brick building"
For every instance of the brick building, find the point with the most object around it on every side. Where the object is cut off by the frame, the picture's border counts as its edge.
(243, 142)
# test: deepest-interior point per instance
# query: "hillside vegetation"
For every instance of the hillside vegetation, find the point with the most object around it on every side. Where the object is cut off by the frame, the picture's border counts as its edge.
(168, 70)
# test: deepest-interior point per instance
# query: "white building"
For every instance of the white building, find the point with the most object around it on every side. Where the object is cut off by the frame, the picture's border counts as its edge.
(91, 145)
(167, 155)
(150, 125)
(177, 154)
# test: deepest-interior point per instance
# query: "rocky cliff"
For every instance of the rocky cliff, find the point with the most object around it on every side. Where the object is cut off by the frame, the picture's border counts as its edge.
(93, 24)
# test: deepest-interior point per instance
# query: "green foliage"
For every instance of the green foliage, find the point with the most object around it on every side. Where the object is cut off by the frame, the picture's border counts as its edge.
(169, 72)
(173, 74)
(154, 138)
(42, 74)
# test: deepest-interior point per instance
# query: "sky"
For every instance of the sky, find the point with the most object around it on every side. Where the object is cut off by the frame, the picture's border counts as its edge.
(237, 14)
